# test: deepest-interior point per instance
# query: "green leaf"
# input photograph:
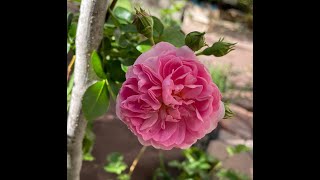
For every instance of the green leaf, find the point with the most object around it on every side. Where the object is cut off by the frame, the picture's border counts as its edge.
(108, 30)
(88, 142)
(115, 168)
(115, 157)
(124, 68)
(175, 164)
(123, 14)
(123, 41)
(229, 174)
(127, 56)
(205, 166)
(106, 45)
(125, 4)
(115, 163)
(88, 157)
(123, 177)
(114, 88)
(68, 47)
(211, 159)
(240, 148)
(69, 19)
(173, 36)
(157, 27)
(115, 71)
(114, 19)
(95, 100)
(97, 65)
(128, 61)
(143, 48)
(72, 31)
(162, 174)
(128, 28)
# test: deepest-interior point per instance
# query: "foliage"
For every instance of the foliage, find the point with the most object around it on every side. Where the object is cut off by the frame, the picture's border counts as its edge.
(219, 75)
(237, 149)
(116, 165)
(123, 42)
(167, 14)
(87, 144)
(198, 165)
(229, 174)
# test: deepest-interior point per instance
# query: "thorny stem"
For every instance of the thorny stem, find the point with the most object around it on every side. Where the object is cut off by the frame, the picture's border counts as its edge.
(70, 66)
(136, 160)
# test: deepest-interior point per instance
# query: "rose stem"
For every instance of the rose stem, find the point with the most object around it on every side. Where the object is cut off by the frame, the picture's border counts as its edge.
(136, 160)
(162, 166)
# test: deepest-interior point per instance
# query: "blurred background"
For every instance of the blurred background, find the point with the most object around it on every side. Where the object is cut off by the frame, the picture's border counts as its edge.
(231, 19)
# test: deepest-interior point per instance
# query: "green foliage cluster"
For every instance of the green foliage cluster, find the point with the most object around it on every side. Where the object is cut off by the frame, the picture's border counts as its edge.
(196, 165)
(116, 165)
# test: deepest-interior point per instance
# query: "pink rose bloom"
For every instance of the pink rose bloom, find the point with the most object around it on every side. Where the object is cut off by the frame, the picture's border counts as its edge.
(168, 99)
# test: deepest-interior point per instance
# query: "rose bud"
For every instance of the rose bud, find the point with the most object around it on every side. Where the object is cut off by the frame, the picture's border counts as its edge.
(144, 23)
(219, 48)
(195, 40)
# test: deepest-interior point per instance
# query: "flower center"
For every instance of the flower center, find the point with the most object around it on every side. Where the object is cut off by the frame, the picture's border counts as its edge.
(169, 114)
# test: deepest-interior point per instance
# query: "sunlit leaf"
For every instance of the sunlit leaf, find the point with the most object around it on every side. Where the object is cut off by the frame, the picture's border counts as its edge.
(173, 36)
(97, 65)
(95, 100)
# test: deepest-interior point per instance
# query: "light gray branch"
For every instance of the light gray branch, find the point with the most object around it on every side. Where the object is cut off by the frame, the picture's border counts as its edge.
(89, 36)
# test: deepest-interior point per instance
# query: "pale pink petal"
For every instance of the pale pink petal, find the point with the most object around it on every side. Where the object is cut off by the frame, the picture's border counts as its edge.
(155, 51)
(149, 122)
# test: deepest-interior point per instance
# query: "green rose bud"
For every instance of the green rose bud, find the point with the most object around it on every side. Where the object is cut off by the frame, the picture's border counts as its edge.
(195, 40)
(219, 48)
(144, 24)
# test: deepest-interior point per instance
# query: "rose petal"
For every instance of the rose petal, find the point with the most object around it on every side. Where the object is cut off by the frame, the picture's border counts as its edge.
(149, 122)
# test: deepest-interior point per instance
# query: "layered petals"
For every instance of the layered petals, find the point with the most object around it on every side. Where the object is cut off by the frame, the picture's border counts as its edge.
(169, 99)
